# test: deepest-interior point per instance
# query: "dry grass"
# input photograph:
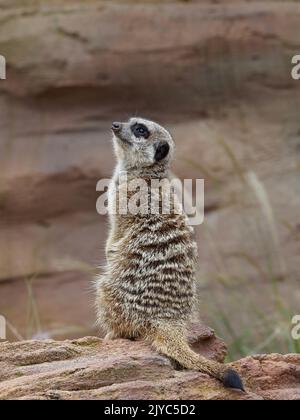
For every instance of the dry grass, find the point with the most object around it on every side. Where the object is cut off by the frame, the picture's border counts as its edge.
(252, 318)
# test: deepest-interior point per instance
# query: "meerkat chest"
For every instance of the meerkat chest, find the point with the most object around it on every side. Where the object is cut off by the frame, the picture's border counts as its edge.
(155, 271)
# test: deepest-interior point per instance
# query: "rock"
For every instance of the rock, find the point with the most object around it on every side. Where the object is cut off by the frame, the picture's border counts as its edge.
(202, 340)
(54, 45)
(91, 368)
(274, 377)
(52, 246)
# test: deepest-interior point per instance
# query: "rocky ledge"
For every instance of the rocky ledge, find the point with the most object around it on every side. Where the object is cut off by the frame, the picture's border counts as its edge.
(91, 368)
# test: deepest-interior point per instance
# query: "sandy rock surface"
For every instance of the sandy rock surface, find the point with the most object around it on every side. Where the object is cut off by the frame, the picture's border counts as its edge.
(90, 368)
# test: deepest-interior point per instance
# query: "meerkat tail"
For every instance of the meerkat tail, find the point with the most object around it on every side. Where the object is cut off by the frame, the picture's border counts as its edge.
(173, 344)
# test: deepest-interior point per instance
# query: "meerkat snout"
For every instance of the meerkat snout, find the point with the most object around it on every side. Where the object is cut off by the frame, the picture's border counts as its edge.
(116, 127)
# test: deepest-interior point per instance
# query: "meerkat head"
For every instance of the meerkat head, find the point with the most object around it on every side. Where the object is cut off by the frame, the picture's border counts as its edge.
(141, 143)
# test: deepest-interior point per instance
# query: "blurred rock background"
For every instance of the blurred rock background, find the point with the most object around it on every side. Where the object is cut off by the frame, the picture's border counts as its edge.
(218, 75)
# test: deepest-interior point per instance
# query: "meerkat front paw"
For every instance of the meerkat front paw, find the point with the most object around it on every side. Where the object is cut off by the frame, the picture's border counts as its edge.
(110, 336)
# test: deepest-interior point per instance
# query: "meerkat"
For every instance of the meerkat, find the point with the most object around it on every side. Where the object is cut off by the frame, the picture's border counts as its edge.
(148, 285)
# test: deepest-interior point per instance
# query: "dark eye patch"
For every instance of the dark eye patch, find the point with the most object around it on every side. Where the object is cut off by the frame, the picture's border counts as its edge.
(140, 130)
(162, 151)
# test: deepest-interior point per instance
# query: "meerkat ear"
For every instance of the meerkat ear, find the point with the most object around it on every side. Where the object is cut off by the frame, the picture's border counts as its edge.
(161, 151)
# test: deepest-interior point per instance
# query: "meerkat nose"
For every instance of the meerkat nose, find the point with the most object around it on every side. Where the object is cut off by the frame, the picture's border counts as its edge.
(116, 127)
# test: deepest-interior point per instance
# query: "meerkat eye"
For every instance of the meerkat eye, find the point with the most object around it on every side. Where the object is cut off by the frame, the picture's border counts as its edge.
(140, 130)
